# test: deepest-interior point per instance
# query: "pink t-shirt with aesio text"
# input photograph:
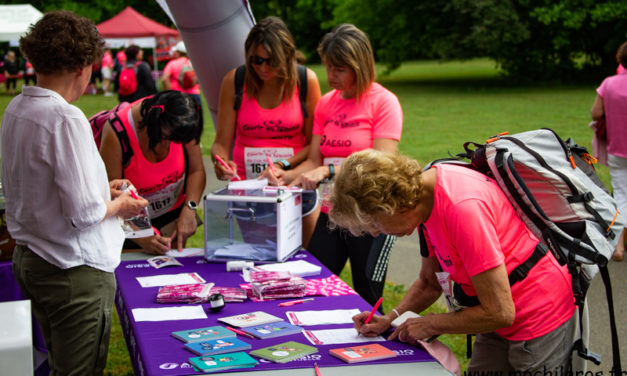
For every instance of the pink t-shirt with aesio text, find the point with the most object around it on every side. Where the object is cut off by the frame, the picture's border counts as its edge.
(474, 228)
(350, 125)
(275, 132)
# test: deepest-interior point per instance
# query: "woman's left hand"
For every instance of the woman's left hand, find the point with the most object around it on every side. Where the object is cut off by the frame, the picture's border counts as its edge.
(414, 329)
(185, 227)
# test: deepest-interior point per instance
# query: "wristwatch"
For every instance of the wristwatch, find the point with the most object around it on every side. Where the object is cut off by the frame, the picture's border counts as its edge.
(284, 164)
(192, 205)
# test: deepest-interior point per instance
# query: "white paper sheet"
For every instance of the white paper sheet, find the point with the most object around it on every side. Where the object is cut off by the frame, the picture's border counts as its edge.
(335, 336)
(187, 252)
(170, 279)
(248, 184)
(327, 317)
(300, 268)
(169, 313)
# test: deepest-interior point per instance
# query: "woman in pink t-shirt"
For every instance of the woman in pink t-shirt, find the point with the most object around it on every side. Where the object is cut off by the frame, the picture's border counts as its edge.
(269, 121)
(357, 114)
(474, 238)
(611, 104)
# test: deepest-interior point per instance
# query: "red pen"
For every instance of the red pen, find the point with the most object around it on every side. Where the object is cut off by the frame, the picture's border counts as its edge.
(317, 369)
(376, 305)
(223, 163)
(271, 164)
(286, 304)
(133, 194)
(241, 333)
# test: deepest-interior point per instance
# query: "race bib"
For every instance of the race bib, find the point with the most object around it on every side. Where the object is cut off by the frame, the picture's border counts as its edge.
(256, 159)
(163, 200)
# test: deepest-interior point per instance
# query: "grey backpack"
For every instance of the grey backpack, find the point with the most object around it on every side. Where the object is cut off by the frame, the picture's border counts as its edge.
(554, 187)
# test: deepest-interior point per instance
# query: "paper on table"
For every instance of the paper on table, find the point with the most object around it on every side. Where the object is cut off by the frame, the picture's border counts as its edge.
(248, 184)
(170, 279)
(326, 317)
(299, 268)
(335, 336)
(187, 252)
(169, 313)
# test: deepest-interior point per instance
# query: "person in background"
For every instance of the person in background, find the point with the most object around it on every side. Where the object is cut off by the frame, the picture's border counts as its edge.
(145, 84)
(171, 78)
(11, 72)
(270, 121)
(107, 72)
(474, 238)
(163, 133)
(357, 114)
(611, 104)
(60, 208)
(29, 73)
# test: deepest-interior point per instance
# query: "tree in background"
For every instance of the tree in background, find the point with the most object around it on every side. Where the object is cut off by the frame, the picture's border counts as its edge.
(526, 38)
(534, 39)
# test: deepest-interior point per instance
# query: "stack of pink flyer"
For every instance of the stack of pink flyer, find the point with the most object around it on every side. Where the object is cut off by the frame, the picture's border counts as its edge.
(277, 285)
(190, 293)
(230, 294)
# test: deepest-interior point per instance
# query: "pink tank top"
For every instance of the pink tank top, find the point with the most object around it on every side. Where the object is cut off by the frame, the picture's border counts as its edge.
(275, 132)
(160, 183)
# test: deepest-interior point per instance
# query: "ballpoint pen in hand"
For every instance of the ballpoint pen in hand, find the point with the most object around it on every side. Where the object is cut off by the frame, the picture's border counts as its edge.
(374, 309)
(271, 165)
(223, 163)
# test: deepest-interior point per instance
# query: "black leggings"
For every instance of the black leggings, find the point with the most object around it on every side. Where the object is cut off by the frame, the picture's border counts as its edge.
(368, 257)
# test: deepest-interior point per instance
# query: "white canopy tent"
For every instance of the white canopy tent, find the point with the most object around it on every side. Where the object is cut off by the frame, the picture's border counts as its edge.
(15, 21)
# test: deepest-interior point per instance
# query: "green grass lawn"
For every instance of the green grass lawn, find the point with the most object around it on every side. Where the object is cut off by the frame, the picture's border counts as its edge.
(444, 105)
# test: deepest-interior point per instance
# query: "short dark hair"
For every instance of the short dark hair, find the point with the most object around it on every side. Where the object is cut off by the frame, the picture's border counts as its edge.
(621, 55)
(132, 51)
(174, 111)
(62, 41)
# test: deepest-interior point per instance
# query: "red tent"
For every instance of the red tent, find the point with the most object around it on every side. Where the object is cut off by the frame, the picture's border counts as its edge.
(131, 24)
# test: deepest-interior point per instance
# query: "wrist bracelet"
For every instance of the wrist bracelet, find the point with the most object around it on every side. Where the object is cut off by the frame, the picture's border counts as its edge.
(331, 172)
(395, 311)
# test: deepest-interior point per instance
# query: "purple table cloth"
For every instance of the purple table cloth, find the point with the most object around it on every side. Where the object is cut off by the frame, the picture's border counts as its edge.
(154, 351)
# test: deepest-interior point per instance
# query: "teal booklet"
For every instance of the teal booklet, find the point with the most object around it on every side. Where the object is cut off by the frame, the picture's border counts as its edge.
(214, 363)
(284, 352)
(275, 329)
(203, 334)
(217, 346)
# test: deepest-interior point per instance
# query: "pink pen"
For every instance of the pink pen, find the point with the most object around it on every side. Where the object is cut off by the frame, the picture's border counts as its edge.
(223, 163)
(271, 164)
(287, 304)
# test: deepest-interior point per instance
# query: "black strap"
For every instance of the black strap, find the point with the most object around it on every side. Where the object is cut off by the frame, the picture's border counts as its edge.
(521, 271)
(118, 127)
(302, 89)
(240, 73)
(605, 274)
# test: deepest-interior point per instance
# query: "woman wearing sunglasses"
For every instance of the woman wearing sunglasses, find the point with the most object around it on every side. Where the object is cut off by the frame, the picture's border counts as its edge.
(269, 122)
(357, 114)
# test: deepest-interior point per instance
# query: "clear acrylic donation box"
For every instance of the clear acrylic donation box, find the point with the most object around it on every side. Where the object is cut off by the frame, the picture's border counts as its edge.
(252, 225)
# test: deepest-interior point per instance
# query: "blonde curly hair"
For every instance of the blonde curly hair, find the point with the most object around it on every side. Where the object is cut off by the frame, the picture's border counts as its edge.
(372, 183)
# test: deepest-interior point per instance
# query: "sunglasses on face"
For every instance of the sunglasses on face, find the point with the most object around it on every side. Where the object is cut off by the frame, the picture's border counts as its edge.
(258, 60)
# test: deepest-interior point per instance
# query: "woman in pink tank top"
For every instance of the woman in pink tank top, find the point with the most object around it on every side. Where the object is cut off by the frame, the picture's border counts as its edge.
(163, 134)
(269, 121)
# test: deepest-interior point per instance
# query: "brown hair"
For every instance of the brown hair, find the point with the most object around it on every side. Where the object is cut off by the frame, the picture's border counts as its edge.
(272, 34)
(62, 41)
(347, 46)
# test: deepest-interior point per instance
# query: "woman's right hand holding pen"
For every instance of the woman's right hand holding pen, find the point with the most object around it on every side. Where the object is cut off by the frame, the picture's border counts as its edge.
(376, 325)
(225, 169)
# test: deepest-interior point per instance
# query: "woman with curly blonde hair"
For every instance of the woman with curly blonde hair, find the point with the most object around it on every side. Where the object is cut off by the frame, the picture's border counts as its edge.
(474, 238)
